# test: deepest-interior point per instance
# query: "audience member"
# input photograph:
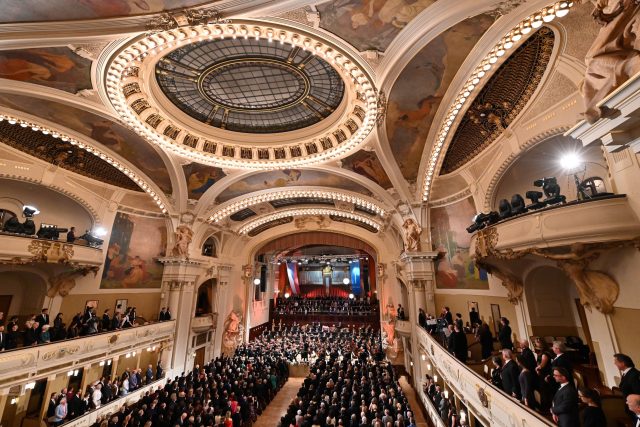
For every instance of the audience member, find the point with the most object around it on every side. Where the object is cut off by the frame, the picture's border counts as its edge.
(486, 340)
(546, 386)
(510, 375)
(629, 376)
(504, 334)
(565, 402)
(474, 317)
(526, 380)
(496, 372)
(71, 235)
(633, 404)
(592, 414)
(561, 360)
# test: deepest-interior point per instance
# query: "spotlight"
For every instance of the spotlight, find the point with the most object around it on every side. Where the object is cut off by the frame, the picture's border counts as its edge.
(100, 231)
(29, 211)
(535, 197)
(517, 205)
(351, 296)
(256, 281)
(571, 162)
(50, 231)
(591, 188)
(91, 240)
(481, 220)
(286, 295)
(551, 190)
(504, 208)
(345, 281)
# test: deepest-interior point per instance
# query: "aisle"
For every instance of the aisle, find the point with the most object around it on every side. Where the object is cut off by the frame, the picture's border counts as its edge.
(279, 405)
(413, 401)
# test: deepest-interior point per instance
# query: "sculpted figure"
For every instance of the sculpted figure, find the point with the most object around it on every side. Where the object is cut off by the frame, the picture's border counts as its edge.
(232, 335)
(614, 56)
(596, 288)
(412, 233)
(183, 240)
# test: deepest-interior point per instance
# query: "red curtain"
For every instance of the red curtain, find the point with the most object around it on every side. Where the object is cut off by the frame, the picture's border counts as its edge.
(311, 291)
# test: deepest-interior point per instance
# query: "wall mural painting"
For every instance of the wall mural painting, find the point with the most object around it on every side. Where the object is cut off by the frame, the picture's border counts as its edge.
(367, 164)
(289, 178)
(418, 91)
(454, 267)
(65, 10)
(135, 245)
(200, 178)
(369, 24)
(114, 136)
(56, 67)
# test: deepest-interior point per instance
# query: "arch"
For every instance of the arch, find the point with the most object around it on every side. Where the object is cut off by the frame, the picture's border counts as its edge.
(210, 247)
(549, 296)
(294, 241)
(27, 289)
(205, 297)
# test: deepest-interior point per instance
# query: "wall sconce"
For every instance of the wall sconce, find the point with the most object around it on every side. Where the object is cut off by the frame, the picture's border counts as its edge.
(435, 378)
(101, 363)
(429, 366)
(109, 362)
(128, 355)
(446, 394)
(14, 400)
(30, 386)
(69, 373)
(423, 357)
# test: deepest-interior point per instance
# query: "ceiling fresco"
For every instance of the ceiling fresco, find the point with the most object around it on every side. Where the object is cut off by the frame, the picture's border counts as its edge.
(65, 10)
(369, 24)
(418, 91)
(200, 178)
(289, 178)
(112, 135)
(367, 164)
(56, 67)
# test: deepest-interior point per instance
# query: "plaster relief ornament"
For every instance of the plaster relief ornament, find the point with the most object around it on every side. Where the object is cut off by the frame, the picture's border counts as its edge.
(312, 222)
(596, 288)
(412, 233)
(614, 56)
(183, 235)
(61, 284)
(233, 333)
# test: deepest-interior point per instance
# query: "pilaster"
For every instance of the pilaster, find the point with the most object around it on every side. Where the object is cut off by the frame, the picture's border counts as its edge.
(178, 282)
(418, 268)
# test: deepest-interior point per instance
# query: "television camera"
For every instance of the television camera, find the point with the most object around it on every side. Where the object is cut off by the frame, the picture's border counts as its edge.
(28, 227)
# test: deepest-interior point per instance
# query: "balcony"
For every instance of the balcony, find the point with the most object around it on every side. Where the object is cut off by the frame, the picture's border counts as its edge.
(403, 327)
(30, 362)
(487, 403)
(204, 323)
(27, 249)
(607, 219)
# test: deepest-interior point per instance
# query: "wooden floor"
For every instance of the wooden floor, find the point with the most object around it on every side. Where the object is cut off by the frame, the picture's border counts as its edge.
(279, 405)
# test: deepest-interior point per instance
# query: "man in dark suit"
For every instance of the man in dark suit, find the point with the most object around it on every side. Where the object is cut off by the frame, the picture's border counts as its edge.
(527, 354)
(565, 401)
(562, 360)
(3, 338)
(42, 318)
(53, 402)
(106, 320)
(460, 347)
(447, 316)
(629, 376)
(474, 317)
(510, 375)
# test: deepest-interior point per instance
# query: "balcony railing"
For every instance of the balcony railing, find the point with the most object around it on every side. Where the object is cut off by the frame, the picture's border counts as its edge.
(204, 323)
(31, 249)
(32, 362)
(598, 220)
(489, 404)
(403, 327)
(113, 407)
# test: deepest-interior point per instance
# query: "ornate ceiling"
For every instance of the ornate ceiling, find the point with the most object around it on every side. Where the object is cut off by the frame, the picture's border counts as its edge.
(235, 119)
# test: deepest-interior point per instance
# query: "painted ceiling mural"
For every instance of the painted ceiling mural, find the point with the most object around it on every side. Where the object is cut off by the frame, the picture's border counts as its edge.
(200, 178)
(367, 164)
(289, 178)
(418, 91)
(65, 10)
(114, 136)
(369, 24)
(56, 67)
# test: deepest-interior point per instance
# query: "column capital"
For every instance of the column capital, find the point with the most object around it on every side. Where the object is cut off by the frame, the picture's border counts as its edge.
(418, 266)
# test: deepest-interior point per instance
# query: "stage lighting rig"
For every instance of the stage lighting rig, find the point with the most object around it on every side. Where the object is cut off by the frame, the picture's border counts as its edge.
(535, 197)
(551, 190)
(93, 241)
(504, 209)
(517, 205)
(50, 231)
(481, 220)
(28, 227)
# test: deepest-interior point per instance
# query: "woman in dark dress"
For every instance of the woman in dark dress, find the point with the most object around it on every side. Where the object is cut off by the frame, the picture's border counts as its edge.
(543, 370)
(527, 383)
(496, 372)
(504, 335)
(486, 340)
(592, 414)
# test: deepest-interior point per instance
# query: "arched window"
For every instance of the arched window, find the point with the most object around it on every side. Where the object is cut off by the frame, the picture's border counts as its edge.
(209, 247)
(204, 301)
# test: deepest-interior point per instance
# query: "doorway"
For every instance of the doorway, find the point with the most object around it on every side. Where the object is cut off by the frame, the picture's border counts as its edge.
(5, 303)
(199, 359)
